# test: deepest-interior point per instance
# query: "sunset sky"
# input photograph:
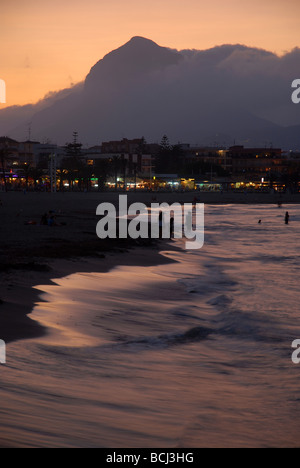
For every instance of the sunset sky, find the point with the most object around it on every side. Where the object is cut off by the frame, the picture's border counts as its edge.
(48, 45)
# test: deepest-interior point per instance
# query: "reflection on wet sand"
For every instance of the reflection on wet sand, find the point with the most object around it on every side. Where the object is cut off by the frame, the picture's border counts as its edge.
(191, 353)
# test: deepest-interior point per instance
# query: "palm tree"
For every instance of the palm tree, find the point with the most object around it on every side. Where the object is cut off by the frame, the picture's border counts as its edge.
(62, 174)
(4, 156)
(124, 170)
(27, 172)
(101, 171)
(116, 163)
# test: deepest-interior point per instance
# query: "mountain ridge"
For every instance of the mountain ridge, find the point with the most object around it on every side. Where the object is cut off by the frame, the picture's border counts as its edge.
(142, 88)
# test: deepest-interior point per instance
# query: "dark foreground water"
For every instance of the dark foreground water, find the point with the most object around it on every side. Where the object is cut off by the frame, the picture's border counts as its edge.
(190, 354)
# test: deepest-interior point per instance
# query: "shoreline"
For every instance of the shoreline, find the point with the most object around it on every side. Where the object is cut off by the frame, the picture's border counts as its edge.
(32, 254)
(19, 294)
(143, 338)
(94, 198)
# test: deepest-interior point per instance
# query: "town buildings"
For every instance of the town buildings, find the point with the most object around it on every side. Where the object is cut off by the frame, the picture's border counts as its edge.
(132, 164)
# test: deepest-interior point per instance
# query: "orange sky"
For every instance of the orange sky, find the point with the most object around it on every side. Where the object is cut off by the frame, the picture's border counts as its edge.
(48, 44)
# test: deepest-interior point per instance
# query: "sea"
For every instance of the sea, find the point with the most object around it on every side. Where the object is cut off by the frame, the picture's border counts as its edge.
(195, 352)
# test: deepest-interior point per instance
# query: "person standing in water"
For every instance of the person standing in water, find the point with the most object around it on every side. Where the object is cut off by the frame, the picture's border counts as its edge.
(287, 217)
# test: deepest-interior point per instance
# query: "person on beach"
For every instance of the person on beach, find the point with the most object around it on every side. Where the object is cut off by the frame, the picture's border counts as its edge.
(160, 221)
(44, 220)
(51, 220)
(172, 228)
(287, 217)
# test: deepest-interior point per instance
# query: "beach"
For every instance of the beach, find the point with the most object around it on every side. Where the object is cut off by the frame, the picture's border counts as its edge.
(31, 252)
(130, 345)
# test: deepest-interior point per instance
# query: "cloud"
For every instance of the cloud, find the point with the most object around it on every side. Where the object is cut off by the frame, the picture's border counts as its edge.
(236, 91)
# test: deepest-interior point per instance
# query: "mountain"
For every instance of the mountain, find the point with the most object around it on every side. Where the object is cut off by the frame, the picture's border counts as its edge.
(217, 96)
(129, 63)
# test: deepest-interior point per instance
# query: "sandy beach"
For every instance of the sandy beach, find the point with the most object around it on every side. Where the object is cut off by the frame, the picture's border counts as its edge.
(130, 344)
(153, 346)
(32, 254)
(149, 227)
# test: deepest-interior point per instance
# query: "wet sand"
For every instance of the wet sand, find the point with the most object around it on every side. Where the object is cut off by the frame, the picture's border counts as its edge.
(176, 355)
(32, 254)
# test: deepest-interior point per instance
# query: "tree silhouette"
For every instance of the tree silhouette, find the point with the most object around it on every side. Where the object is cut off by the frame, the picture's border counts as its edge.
(102, 170)
(116, 166)
(142, 146)
(72, 161)
(163, 157)
(62, 174)
(27, 172)
(170, 158)
(3, 157)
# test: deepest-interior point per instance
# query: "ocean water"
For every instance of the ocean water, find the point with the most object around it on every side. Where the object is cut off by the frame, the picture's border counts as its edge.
(193, 353)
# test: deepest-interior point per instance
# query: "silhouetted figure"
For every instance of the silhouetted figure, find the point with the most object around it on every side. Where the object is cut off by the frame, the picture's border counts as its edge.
(44, 220)
(287, 217)
(51, 221)
(160, 222)
(172, 228)
(259, 222)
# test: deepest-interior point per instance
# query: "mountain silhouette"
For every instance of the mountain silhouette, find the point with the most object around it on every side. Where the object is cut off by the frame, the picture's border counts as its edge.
(216, 96)
(127, 64)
